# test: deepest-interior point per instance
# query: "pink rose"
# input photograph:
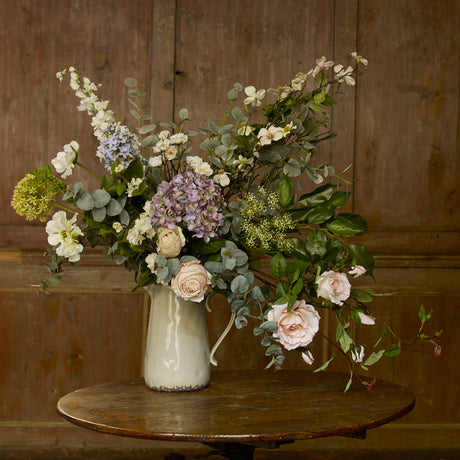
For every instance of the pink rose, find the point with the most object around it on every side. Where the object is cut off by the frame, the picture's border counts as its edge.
(357, 270)
(170, 241)
(192, 281)
(297, 327)
(334, 287)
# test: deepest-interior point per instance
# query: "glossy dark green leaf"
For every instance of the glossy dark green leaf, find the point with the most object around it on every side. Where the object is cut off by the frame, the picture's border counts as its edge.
(360, 255)
(320, 214)
(320, 195)
(277, 265)
(284, 191)
(348, 224)
(315, 242)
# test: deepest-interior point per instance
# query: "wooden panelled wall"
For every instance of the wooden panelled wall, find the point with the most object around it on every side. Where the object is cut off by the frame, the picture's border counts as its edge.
(399, 128)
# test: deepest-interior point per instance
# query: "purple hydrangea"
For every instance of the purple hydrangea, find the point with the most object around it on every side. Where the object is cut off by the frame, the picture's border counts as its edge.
(118, 142)
(191, 199)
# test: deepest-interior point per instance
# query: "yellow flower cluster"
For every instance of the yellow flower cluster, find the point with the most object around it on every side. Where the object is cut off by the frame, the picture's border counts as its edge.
(263, 226)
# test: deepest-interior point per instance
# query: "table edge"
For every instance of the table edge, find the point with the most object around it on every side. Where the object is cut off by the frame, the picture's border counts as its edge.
(203, 437)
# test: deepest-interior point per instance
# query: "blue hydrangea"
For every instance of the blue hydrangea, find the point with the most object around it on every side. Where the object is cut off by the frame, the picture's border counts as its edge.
(190, 199)
(118, 143)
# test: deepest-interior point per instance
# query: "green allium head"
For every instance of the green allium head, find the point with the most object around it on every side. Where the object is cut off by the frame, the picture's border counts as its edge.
(34, 195)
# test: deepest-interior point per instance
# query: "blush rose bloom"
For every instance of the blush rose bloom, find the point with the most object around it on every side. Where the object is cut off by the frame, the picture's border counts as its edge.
(334, 287)
(170, 241)
(297, 327)
(357, 270)
(192, 281)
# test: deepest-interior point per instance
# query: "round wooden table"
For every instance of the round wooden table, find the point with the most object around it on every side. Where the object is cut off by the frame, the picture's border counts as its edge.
(240, 410)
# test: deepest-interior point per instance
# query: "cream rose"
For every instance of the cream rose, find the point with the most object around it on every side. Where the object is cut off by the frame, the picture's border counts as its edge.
(334, 287)
(192, 281)
(170, 241)
(297, 327)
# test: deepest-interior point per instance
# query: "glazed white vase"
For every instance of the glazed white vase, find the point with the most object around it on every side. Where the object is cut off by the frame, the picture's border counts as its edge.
(177, 356)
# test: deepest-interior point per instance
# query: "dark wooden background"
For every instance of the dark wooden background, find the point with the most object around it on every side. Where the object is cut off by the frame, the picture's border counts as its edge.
(399, 128)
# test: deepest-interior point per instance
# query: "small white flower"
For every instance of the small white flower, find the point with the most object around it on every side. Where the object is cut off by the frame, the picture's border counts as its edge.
(254, 97)
(171, 152)
(321, 64)
(357, 354)
(150, 261)
(163, 135)
(117, 227)
(298, 82)
(88, 85)
(148, 207)
(133, 185)
(134, 237)
(245, 129)
(60, 75)
(101, 121)
(266, 136)
(242, 162)
(343, 75)
(179, 138)
(119, 169)
(307, 356)
(194, 161)
(359, 58)
(101, 105)
(74, 80)
(87, 103)
(287, 129)
(64, 161)
(221, 179)
(141, 230)
(64, 234)
(204, 169)
(155, 162)
(161, 145)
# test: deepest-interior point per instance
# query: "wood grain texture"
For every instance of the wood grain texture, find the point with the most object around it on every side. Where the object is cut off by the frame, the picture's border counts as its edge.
(399, 127)
(236, 407)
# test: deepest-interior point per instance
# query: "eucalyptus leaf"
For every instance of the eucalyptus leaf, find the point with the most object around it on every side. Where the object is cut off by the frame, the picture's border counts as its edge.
(183, 114)
(101, 198)
(239, 284)
(85, 202)
(130, 82)
(146, 129)
(98, 214)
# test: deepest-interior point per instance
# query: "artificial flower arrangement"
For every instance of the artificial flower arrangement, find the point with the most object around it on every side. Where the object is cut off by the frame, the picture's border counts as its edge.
(230, 221)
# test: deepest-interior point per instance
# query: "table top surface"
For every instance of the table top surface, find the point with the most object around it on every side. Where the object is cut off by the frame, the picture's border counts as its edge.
(239, 406)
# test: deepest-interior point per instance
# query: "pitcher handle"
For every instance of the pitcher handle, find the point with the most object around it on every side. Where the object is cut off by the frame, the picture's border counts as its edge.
(212, 360)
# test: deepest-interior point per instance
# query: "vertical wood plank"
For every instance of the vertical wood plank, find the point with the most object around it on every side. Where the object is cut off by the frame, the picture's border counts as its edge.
(163, 61)
(51, 345)
(254, 43)
(406, 162)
